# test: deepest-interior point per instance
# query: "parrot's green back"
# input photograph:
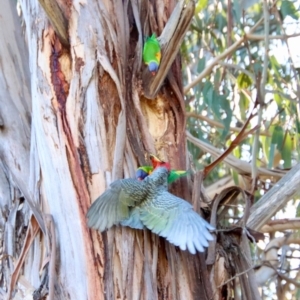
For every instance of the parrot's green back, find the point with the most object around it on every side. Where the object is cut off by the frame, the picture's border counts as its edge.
(173, 175)
(151, 51)
(176, 174)
(147, 169)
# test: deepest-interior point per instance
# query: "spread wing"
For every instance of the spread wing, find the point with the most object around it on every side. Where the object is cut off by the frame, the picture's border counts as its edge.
(174, 219)
(114, 205)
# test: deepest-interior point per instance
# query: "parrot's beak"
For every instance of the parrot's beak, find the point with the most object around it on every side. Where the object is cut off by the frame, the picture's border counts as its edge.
(155, 158)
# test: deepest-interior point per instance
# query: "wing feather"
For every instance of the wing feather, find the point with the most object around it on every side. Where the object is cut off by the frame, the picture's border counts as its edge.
(114, 205)
(174, 218)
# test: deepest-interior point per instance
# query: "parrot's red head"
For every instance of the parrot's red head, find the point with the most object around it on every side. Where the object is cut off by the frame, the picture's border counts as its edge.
(156, 162)
(166, 165)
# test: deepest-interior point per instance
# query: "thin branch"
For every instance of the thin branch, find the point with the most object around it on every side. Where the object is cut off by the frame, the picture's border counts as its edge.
(281, 225)
(266, 55)
(217, 124)
(236, 276)
(260, 37)
(233, 66)
(238, 139)
(223, 55)
(242, 167)
(261, 95)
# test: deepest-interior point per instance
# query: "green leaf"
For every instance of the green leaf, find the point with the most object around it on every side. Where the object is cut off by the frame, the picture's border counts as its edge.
(266, 144)
(298, 125)
(217, 77)
(201, 64)
(225, 106)
(287, 150)
(215, 105)
(221, 22)
(243, 81)
(200, 6)
(288, 9)
(282, 116)
(235, 176)
(275, 65)
(278, 101)
(237, 10)
(208, 93)
(271, 156)
(277, 137)
(257, 67)
(297, 216)
(244, 105)
(199, 23)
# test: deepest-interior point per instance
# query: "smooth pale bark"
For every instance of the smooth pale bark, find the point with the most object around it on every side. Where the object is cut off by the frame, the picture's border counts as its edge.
(15, 101)
(15, 117)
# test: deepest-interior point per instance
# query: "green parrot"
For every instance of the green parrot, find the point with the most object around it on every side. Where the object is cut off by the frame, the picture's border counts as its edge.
(147, 203)
(152, 54)
(144, 171)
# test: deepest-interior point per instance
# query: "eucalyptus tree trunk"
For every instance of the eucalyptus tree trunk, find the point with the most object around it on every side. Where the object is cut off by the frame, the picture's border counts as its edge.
(88, 113)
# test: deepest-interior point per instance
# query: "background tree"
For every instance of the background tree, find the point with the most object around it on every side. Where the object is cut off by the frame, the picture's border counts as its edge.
(79, 110)
(241, 81)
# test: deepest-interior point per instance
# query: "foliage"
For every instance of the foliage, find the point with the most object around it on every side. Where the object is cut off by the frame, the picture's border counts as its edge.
(224, 91)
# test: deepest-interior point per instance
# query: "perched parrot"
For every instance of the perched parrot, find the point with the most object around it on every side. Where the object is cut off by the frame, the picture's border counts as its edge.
(142, 172)
(147, 203)
(152, 54)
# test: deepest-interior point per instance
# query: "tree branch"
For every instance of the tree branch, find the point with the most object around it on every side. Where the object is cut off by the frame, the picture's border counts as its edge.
(218, 124)
(242, 167)
(57, 19)
(281, 225)
(260, 37)
(275, 199)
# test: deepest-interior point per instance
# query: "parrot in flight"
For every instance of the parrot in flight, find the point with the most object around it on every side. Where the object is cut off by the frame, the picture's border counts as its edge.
(144, 171)
(152, 54)
(147, 203)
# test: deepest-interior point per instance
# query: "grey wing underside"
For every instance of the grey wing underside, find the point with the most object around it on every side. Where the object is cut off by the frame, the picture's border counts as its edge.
(174, 219)
(114, 205)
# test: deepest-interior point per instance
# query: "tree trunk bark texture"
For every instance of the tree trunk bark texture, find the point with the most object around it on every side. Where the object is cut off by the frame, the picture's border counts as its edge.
(90, 124)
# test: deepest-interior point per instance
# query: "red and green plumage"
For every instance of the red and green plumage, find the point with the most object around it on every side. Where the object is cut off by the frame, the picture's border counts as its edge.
(152, 53)
(144, 171)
